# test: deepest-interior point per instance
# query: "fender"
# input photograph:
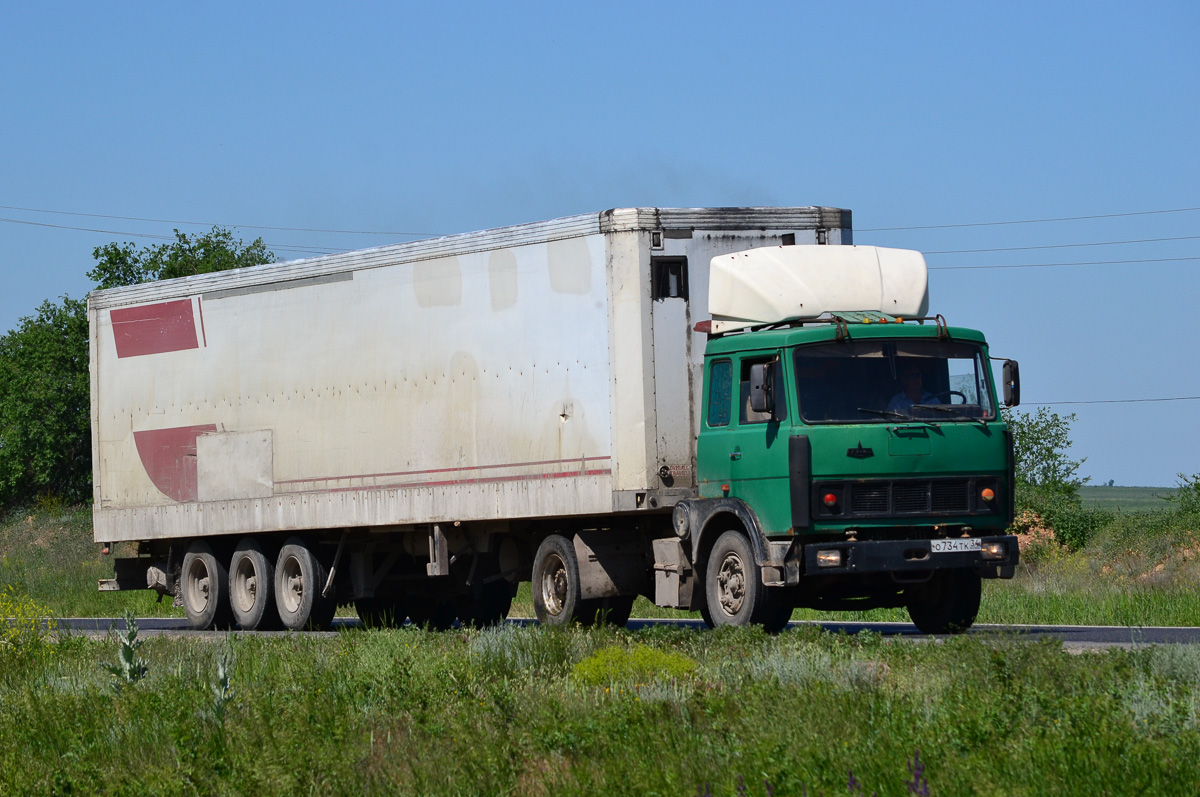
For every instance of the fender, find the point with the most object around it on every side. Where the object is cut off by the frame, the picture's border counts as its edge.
(698, 515)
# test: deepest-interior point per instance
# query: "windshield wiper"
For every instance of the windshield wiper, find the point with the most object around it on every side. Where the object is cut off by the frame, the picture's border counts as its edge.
(886, 413)
(951, 411)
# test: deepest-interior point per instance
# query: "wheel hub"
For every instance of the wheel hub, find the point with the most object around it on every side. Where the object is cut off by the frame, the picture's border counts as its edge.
(731, 584)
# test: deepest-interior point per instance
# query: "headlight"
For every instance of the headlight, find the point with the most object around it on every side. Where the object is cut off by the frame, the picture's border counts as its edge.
(829, 558)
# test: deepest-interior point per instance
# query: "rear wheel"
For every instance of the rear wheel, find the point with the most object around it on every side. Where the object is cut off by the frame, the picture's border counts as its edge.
(947, 603)
(613, 611)
(556, 598)
(380, 612)
(252, 587)
(299, 579)
(204, 588)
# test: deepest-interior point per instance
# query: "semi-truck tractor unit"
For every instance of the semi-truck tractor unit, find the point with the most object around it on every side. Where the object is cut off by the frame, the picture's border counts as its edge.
(734, 411)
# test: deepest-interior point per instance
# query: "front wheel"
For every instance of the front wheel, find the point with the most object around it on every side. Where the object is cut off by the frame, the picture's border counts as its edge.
(733, 586)
(947, 603)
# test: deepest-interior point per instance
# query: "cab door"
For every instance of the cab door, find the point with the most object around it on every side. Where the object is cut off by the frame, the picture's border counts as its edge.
(758, 446)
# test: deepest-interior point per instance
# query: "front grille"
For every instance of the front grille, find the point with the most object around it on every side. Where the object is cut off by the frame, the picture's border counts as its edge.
(908, 497)
(869, 500)
(954, 496)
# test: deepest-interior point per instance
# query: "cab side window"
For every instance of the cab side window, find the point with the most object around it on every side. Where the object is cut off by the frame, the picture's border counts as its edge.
(720, 393)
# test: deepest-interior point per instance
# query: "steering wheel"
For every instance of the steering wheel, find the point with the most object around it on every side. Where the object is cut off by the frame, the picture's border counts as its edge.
(949, 394)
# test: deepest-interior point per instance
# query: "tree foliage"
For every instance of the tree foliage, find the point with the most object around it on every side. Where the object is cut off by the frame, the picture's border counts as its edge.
(45, 415)
(45, 434)
(1041, 442)
(122, 264)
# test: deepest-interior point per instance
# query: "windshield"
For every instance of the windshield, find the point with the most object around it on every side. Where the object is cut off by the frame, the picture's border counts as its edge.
(873, 381)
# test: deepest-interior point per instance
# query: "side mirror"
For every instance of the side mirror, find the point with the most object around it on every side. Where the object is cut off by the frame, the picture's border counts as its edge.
(761, 393)
(1012, 383)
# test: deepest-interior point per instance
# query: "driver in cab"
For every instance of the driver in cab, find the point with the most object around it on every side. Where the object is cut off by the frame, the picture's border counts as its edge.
(911, 392)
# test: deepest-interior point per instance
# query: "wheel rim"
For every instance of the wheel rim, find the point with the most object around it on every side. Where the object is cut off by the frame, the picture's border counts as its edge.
(554, 584)
(731, 584)
(245, 585)
(293, 584)
(197, 586)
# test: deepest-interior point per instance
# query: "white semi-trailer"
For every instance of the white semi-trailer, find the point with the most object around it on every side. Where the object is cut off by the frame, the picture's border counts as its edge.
(416, 428)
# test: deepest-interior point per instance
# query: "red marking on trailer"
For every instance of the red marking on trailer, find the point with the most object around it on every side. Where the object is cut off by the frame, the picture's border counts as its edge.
(154, 328)
(489, 480)
(200, 307)
(169, 457)
(559, 462)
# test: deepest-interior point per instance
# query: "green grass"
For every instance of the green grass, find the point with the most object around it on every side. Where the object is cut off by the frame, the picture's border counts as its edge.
(1128, 499)
(522, 711)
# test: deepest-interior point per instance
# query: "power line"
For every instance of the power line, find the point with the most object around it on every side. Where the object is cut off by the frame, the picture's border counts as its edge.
(208, 224)
(1061, 246)
(1061, 265)
(1113, 401)
(1027, 221)
(281, 247)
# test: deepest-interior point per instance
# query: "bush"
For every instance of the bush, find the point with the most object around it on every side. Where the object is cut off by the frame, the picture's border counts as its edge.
(25, 626)
(639, 665)
(1073, 524)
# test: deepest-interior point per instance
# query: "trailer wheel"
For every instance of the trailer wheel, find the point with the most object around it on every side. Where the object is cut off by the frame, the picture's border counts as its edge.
(556, 598)
(489, 607)
(947, 603)
(252, 587)
(733, 587)
(434, 612)
(299, 579)
(204, 588)
(381, 612)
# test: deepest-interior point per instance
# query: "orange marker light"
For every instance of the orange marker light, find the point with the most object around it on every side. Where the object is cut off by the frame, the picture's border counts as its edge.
(988, 494)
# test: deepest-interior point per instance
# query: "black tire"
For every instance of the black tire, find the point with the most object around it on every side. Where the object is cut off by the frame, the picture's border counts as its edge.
(381, 612)
(299, 578)
(204, 588)
(947, 603)
(556, 598)
(488, 605)
(733, 585)
(778, 611)
(612, 611)
(252, 587)
(434, 613)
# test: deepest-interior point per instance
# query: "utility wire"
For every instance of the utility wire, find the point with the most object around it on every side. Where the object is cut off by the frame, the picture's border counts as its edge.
(1027, 221)
(1063, 265)
(207, 224)
(1061, 246)
(1112, 401)
(281, 247)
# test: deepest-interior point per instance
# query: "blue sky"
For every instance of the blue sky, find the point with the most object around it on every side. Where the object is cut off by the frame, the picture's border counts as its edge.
(442, 118)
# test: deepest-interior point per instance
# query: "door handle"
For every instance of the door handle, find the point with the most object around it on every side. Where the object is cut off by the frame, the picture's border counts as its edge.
(735, 455)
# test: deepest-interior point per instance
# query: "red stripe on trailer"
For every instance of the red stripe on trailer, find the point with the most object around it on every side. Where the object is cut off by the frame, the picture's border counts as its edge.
(169, 457)
(154, 328)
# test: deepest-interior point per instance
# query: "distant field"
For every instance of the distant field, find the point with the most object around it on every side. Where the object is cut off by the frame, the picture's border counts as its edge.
(1128, 499)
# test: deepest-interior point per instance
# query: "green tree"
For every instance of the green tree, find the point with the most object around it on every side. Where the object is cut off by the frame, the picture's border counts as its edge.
(216, 250)
(1041, 441)
(45, 415)
(45, 432)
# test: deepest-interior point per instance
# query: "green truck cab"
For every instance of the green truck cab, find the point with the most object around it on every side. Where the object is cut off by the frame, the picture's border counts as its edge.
(851, 462)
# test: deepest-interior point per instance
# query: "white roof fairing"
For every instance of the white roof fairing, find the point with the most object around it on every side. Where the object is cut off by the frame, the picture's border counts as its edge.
(776, 283)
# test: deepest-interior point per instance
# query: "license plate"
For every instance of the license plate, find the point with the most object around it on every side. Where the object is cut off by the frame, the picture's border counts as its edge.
(954, 546)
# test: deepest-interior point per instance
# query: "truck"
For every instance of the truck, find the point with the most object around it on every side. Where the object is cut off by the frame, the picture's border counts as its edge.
(735, 411)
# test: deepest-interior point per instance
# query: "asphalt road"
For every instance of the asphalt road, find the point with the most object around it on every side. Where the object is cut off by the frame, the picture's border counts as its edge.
(1073, 637)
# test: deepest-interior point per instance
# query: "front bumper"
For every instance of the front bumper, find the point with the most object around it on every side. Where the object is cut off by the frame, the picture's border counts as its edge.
(881, 556)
